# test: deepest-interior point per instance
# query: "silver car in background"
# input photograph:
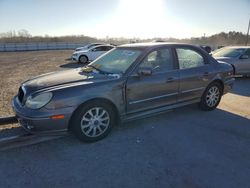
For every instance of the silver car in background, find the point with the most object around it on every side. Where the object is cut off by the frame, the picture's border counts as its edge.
(238, 56)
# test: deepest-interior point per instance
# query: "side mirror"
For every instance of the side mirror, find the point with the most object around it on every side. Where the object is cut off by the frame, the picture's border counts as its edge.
(145, 71)
(244, 57)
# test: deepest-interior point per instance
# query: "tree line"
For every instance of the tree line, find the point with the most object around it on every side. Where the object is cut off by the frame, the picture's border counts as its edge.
(220, 39)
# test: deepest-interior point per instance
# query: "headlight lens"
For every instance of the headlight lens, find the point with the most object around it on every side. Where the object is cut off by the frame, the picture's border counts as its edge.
(38, 101)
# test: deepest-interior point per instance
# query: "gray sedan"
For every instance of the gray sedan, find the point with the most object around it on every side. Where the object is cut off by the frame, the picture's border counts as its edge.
(238, 56)
(129, 82)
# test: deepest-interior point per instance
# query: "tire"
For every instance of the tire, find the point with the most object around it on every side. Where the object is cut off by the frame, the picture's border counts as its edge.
(211, 97)
(83, 59)
(93, 121)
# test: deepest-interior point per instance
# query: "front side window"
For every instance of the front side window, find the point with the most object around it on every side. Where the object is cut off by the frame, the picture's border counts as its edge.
(107, 48)
(159, 60)
(102, 48)
(189, 58)
(92, 45)
(97, 49)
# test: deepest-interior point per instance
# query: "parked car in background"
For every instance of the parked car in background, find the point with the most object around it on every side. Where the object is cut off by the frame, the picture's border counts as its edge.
(91, 54)
(88, 46)
(208, 49)
(129, 82)
(238, 56)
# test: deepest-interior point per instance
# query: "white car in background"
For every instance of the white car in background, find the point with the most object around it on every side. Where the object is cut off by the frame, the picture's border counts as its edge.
(85, 56)
(88, 46)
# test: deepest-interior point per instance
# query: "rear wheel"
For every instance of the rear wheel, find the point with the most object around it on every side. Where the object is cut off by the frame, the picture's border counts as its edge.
(211, 97)
(93, 121)
(83, 59)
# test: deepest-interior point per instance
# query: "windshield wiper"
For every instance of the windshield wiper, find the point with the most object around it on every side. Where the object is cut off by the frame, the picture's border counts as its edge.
(99, 70)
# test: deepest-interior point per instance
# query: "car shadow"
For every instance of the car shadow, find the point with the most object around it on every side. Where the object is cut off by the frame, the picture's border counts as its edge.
(71, 65)
(241, 87)
(186, 122)
(216, 120)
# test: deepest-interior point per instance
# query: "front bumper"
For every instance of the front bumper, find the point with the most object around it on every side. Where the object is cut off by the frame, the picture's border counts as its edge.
(40, 121)
(74, 58)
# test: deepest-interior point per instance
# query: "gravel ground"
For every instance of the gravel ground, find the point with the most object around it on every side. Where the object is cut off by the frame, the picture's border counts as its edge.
(17, 67)
(185, 148)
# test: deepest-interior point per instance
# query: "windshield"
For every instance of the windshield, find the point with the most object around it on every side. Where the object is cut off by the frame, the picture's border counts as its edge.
(116, 61)
(229, 52)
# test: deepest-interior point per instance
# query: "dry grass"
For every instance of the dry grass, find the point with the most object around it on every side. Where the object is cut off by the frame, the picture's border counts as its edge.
(17, 67)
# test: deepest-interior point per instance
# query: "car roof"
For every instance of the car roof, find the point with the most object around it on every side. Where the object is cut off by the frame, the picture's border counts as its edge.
(236, 47)
(155, 44)
(89, 44)
(97, 43)
(101, 46)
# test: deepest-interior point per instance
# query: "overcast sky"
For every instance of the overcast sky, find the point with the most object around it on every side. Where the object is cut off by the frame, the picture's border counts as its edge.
(125, 18)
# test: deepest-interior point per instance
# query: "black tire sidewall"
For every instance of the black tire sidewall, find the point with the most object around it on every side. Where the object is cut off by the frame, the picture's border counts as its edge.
(203, 103)
(81, 57)
(75, 126)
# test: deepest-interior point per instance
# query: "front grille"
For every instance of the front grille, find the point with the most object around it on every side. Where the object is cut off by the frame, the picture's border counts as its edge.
(20, 95)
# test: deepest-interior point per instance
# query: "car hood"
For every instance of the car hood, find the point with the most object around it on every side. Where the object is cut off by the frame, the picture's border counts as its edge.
(65, 78)
(226, 59)
(80, 52)
(81, 48)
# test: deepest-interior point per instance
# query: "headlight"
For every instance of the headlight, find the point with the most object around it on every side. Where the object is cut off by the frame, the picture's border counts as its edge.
(38, 101)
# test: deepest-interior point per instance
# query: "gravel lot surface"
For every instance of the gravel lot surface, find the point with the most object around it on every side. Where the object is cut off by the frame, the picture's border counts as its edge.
(17, 67)
(183, 148)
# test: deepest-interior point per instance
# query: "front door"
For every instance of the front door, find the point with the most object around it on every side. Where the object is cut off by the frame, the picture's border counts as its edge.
(145, 92)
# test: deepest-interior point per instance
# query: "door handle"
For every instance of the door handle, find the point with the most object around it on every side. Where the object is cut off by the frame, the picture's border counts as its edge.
(206, 73)
(171, 79)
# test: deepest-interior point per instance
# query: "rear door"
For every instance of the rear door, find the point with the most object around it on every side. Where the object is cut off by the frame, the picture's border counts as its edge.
(155, 90)
(195, 73)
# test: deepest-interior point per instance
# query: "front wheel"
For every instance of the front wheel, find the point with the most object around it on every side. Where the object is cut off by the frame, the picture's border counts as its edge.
(93, 122)
(211, 97)
(83, 59)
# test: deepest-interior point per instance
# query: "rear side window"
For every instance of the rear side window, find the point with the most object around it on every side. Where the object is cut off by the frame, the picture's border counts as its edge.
(189, 58)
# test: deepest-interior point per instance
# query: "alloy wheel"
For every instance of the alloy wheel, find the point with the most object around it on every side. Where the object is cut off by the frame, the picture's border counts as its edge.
(213, 96)
(95, 122)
